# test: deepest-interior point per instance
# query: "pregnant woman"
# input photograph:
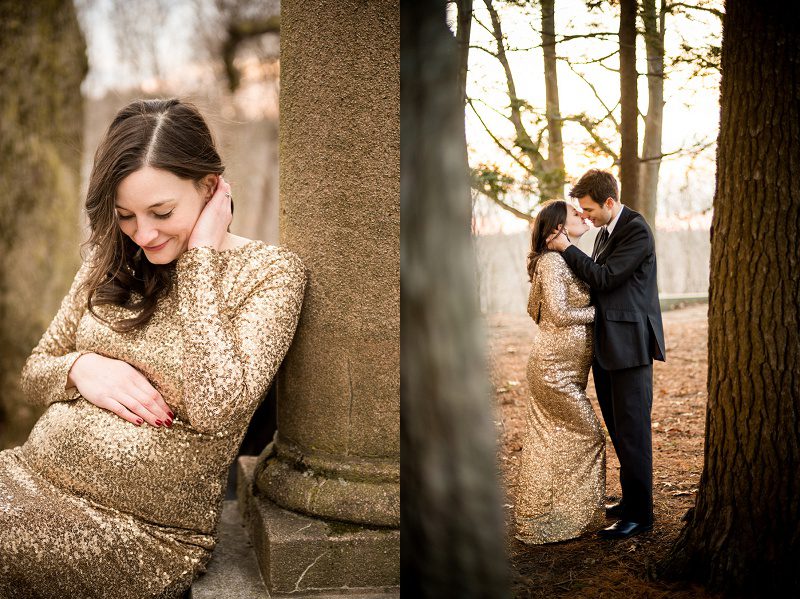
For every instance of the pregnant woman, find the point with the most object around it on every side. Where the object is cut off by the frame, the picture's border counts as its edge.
(151, 370)
(561, 479)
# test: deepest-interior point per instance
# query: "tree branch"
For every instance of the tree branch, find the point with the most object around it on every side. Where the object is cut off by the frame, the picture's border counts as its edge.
(593, 61)
(577, 36)
(238, 32)
(690, 150)
(494, 196)
(596, 95)
(612, 70)
(603, 34)
(523, 139)
(492, 108)
(717, 13)
(482, 24)
(497, 141)
(589, 126)
(481, 48)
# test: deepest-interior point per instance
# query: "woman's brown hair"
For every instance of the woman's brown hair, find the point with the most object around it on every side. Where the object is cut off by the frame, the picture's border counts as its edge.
(165, 134)
(552, 216)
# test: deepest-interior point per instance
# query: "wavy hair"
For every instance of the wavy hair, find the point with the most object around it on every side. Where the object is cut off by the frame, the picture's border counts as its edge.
(165, 134)
(552, 215)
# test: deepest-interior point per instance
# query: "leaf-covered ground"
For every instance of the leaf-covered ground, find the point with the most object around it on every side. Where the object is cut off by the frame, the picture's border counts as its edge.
(590, 566)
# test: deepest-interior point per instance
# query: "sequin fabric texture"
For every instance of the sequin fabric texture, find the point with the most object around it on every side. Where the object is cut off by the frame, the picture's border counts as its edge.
(92, 506)
(561, 477)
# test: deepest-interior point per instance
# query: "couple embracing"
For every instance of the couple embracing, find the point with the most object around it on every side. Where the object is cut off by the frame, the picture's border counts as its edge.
(599, 312)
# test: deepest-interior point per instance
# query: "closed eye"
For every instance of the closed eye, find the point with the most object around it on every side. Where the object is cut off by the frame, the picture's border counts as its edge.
(162, 216)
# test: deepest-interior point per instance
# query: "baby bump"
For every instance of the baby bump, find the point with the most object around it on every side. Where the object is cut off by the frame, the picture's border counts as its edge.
(558, 371)
(164, 475)
(561, 354)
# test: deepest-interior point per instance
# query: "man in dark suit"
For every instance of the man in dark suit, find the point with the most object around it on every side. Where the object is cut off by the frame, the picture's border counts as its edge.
(628, 336)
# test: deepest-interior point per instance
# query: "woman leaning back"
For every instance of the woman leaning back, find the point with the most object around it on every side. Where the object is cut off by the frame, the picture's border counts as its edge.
(150, 372)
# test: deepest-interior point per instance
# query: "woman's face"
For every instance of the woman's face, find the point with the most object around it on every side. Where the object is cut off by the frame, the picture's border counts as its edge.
(158, 211)
(575, 224)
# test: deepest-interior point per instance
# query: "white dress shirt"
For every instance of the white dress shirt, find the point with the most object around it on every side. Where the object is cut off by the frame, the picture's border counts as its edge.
(610, 226)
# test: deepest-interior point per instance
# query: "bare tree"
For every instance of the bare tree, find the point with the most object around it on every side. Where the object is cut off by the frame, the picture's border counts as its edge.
(704, 57)
(653, 123)
(629, 151)
(136, 32)
(601, 124)
(546, 172)
(743, 535)
(463, 28)
(240, 30)
(221, 30)
(554, 165)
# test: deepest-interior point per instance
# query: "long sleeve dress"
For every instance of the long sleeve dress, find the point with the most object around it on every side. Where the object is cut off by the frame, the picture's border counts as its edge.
(93, 506)
(561, 477)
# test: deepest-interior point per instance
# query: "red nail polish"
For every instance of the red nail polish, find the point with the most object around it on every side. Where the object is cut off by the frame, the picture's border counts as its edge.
(139, 421)
(169, 423)
(158, 423)
(171, 415)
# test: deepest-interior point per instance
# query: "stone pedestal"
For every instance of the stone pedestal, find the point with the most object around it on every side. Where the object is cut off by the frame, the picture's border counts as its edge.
(336, 455)
(300, 556)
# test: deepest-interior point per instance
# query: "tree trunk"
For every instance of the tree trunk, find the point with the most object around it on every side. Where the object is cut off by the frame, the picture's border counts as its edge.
(653, 122)
(744, 533)
(464, 25)
(42, 65)
(451, 520)
(629, 153)
(523, 139)
(537, 164)
(554, 165)
(464, 8)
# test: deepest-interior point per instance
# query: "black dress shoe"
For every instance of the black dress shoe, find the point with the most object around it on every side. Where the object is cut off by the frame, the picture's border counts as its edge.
(614, 510)
(624, 529)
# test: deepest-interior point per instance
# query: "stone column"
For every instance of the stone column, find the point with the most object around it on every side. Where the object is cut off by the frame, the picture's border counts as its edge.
(333, 470)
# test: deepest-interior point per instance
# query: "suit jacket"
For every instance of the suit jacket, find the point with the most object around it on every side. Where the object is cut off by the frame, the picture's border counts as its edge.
(628, 329)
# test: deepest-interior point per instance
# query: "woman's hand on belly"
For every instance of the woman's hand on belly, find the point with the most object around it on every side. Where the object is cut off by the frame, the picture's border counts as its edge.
(118, 387)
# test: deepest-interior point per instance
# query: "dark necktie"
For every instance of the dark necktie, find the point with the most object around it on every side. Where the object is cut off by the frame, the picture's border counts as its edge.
(601, 243)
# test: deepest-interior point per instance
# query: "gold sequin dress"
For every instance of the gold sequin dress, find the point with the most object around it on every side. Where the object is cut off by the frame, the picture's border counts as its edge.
(561, 477)
(92, 506)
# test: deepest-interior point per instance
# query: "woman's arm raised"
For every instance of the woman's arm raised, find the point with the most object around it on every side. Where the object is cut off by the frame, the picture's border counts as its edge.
(231, 356)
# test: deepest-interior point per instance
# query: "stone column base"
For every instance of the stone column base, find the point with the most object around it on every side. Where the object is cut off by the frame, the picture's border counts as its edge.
(340, 488)
(300, 556)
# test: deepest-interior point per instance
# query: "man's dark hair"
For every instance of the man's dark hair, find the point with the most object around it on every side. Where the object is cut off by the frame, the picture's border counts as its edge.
(598, 185)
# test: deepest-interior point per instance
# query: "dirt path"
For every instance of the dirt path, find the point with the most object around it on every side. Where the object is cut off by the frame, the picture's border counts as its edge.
(590, 566)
